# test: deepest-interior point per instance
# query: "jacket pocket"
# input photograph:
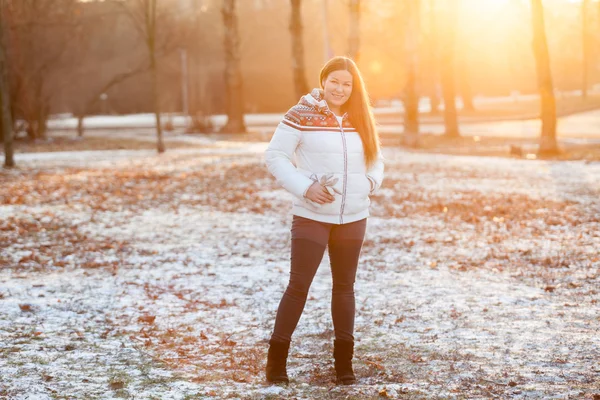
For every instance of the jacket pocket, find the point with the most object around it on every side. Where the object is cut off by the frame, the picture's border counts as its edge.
(370, 185)
(329, 182)
(333, 184)
(364, 188)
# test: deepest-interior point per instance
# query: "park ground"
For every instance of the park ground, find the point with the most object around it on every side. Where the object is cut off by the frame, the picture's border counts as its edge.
(496, 125)
(128, 274)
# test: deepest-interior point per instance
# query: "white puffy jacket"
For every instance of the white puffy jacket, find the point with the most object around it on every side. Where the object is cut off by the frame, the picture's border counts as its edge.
(311, 145)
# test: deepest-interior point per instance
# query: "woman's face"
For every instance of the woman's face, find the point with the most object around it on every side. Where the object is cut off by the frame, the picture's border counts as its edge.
(337, 88)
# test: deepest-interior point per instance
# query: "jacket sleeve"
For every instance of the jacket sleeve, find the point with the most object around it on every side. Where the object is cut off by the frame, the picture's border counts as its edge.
(278, 157)
(375, 173)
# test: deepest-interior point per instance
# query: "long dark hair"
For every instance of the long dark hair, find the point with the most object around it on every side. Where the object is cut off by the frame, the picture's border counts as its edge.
(358, 106)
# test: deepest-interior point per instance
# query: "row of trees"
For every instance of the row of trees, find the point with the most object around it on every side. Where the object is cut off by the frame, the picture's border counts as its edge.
(442, 46)
(446, 35)
(47, 53)
(443, 37)
(41, 34)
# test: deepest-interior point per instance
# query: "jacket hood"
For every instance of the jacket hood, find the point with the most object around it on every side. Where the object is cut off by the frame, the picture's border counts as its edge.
(315, 100)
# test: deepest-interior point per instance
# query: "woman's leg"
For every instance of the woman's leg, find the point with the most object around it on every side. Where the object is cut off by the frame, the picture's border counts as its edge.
(345, 244)
(309, 239)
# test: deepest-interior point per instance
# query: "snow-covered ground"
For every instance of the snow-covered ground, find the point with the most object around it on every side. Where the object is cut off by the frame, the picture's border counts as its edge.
(578, 128)
(586, 125)
(127, 274)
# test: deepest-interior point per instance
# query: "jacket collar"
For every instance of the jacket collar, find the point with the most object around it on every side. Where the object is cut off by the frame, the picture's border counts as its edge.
(315, 99)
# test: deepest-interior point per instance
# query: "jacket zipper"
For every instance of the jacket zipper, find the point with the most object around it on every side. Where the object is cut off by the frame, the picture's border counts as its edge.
(345, 169)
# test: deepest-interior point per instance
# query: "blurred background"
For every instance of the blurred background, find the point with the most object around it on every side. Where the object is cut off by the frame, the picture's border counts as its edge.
(198, 58)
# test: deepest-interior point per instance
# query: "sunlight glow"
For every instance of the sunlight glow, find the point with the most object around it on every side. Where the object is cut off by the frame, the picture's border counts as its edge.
(376, 67)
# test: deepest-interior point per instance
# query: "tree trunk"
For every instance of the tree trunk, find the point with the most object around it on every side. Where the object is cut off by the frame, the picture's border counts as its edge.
(462, 59)
(160, 145)
(233, 71)
(36, 112)
(327, 49)
(465, 86)
(80, 129)
(548, 144)
(6, 125)
(433, 59)
(354, 36)
(300, 84)
(151, 35)
(42, 120)
(448, 76)
(585, 4)
(411, 96)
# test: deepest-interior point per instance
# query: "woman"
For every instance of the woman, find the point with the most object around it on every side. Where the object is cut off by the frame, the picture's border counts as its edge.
(338, 164)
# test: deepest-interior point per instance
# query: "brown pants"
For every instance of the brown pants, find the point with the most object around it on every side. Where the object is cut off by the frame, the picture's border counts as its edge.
(309, 240)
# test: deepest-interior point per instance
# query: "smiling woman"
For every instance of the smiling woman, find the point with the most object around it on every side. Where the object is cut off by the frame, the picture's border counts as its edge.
(331, 135)
(337, 88)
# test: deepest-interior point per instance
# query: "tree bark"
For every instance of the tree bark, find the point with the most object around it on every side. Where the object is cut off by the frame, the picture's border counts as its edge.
(548, 144)
(298, 67)
(411, 95)
(233, 71)
(5, 115)
(354, 36)
(448, 75)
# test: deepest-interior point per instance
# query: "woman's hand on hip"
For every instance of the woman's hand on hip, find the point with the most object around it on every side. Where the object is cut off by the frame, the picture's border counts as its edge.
(319, 194)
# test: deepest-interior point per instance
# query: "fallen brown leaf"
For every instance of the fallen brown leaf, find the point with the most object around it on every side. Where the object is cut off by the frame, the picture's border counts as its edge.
(25, 307)
(117, 385)
(147, 319)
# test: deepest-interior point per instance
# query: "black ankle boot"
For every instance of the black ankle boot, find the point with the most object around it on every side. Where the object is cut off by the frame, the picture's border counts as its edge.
(276, 362)
(343, 350)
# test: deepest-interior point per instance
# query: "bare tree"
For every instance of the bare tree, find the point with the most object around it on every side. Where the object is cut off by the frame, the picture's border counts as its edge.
(411, 96)
(5, 115)
(144, 15)
(548, 144)
(111, 50)
(298, 66)
(448, 68)
(432, 54)
(88, 105)
(233, 71)
(39, 34)
(464, 84)
(354, 36)
(205, 66)
(462, 63)
(150, 19)
(585, 36)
